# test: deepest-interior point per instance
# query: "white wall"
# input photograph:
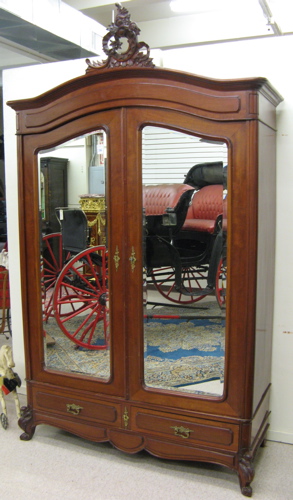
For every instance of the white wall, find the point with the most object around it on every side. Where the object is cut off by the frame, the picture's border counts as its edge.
(77, 171)
(21, 83)
(264, 57)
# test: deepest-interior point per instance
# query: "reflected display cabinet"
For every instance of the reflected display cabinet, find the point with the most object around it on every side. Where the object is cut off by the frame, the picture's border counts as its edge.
(53, 191)
(163, 333)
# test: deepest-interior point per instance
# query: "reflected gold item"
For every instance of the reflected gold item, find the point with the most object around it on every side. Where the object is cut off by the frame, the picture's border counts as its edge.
(99, 220)
(74, 409)
(95, 210)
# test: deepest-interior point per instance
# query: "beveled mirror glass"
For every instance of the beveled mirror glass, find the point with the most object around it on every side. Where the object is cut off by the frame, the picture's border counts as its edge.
(184, 240)
(74, 271)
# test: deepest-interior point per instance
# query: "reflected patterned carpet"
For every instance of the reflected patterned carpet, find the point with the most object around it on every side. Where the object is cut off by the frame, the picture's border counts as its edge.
(65, 356)
(178, 352)
(185, 352)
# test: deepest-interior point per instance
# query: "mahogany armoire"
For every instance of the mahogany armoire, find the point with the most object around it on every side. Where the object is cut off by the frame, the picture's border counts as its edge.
(122, 96)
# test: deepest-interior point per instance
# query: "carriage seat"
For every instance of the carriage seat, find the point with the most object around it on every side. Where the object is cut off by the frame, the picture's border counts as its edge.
(206, 207)
(158, 197)
(165, 207)
(74, 229)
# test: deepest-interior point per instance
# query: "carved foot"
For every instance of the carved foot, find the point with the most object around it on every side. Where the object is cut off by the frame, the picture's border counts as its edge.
(246, 475)
(246, 491)
(26, 423)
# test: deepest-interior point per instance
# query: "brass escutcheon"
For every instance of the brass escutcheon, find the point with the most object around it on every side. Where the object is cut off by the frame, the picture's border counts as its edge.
(125, 418)
(132, 259)
(74, 409)
(116, 258)
(181, 431)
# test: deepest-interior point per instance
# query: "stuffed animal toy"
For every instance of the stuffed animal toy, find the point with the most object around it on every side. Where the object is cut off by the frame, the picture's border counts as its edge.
(9, 381)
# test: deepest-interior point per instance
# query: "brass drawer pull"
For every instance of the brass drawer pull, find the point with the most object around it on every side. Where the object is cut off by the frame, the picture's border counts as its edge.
(74, 409)
(181, 431)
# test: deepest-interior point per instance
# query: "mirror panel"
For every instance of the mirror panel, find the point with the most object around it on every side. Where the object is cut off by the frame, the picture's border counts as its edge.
(74, 256)
(184, 180)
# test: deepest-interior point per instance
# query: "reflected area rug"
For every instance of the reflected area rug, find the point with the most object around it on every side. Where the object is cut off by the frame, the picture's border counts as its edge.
(179, 353)
(183, 353)
(64, 355)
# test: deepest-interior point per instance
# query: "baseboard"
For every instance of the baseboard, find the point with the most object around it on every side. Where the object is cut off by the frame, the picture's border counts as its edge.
(280, 437)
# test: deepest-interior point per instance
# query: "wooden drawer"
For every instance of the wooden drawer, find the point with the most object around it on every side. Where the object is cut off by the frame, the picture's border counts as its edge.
(78, 407)
(188, 430)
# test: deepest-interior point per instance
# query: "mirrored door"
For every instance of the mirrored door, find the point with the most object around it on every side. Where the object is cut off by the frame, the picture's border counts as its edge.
(74, 256)
(184, 192)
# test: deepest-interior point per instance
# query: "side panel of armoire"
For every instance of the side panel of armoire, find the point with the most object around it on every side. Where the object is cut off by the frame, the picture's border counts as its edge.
(265, 264)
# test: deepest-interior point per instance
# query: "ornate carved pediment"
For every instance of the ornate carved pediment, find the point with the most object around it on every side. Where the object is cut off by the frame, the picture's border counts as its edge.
(123, 31)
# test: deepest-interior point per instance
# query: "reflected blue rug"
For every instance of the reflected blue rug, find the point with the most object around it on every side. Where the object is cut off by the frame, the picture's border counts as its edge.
(178, 352)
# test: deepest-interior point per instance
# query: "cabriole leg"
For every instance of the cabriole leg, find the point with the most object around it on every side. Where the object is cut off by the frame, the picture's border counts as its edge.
(26, 423)
(246, 475)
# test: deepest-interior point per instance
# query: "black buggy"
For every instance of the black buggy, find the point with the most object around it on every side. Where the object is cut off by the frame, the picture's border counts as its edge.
(184, 239)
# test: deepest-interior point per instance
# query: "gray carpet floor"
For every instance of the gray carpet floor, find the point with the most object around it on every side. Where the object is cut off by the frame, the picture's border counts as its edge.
(56, 465)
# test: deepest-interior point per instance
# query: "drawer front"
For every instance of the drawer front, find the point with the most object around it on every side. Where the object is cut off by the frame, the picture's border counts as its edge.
(194, 431)
(77, 407)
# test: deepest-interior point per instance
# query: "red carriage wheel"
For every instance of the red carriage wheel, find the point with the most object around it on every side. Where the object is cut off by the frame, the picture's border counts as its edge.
(54, 258)
(221, 279)
(193, 279)
(80, 299)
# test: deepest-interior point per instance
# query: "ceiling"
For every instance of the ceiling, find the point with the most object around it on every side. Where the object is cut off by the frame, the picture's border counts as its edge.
(206, 21)
(22, 43)
(140, 10)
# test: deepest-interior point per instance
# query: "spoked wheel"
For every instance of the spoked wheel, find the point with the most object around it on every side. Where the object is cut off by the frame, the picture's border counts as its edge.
(4, 421)
(221, 280)
(8, 321)
(54, 258)
(80, 299)
(193, 279)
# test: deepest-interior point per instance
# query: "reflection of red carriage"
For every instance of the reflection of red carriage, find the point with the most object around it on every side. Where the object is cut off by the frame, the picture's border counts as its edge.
(75, 282)
(185, 239)
(184, 248)
(5, 293)
(4, 301)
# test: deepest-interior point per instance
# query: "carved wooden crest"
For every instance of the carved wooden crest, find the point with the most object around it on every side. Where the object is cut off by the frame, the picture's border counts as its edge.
(123, 31)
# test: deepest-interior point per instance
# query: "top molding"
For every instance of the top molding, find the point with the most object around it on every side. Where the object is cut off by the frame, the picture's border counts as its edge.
(129, 77)
(137, 53)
